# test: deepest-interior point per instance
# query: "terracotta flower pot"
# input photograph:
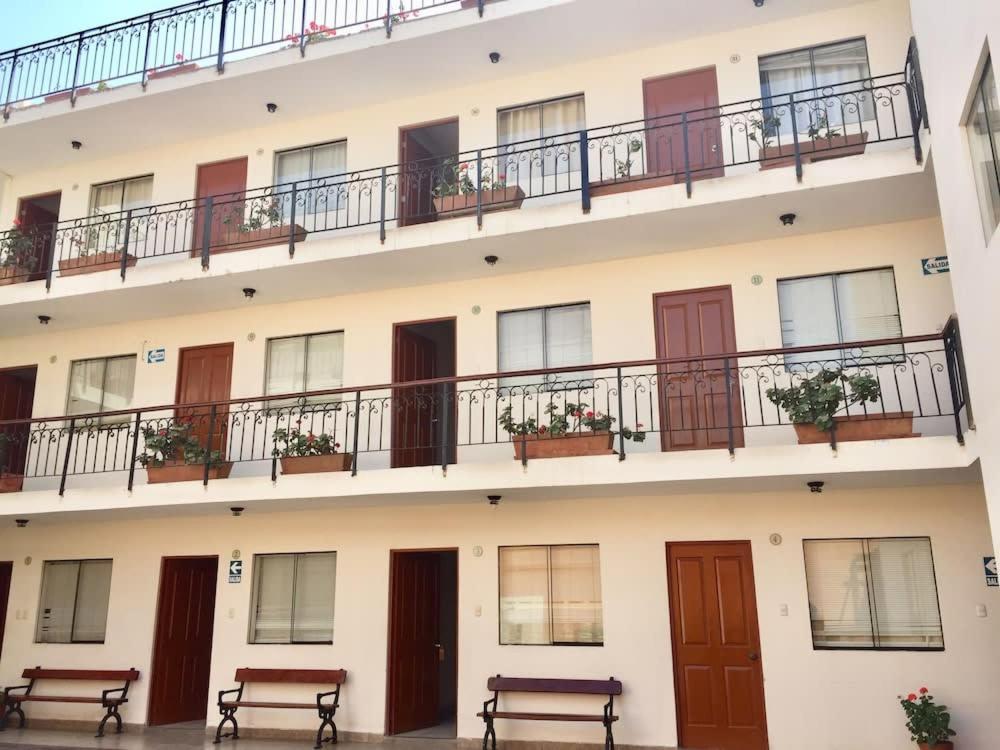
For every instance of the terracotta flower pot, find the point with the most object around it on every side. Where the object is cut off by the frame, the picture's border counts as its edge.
(11, 483)
(949, 745)
(94, 263)
(313, 464)
(67, 95)
(254, 238)
(464, 204)
(870, 427)
(474, 3)
(181, 472)
(575, 444)
(14, 274)
(811, 151)
(174, 70)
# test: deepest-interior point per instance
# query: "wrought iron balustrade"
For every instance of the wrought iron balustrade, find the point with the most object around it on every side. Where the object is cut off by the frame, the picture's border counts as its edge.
(732, 139)
(719, 401)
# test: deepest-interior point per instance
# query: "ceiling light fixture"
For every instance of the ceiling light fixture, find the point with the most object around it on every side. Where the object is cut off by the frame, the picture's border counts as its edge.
(494, 57)
(77, 145)
(491, 260)
(759, 3)
(237, 511)
(44, 319)
(787, 219)
(21, 522)
(816, 487)
(249, 292)
(272, 107)
(494, 499)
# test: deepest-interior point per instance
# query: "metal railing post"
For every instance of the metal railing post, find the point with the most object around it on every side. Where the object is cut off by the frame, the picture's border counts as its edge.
(302, 37)
(291, 223)
(10, 87)
(381, 219)
(621, 417)
(731, 436)
(911, 98)
(951, 357)
(125, 241)
(388, 19)
(357, 429)
(585, 171)
(52, 257)
(479, 188)
(76, 69)
(445, 429)
(208, 447)
(795, 139)
(206, 233)
(69, 447)
(482, 7)
(145, 55)
(687, 153)
(135, 451)
(220, 60)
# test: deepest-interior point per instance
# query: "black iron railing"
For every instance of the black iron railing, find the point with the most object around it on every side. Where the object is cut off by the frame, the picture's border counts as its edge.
(195, 34)
(721, 402)
(732, 139)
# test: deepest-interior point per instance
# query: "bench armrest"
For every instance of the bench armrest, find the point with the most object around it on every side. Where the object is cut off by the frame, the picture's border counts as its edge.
(486, 704)
(12, 688)
(334, 693)
(238, 691)
(106, 693)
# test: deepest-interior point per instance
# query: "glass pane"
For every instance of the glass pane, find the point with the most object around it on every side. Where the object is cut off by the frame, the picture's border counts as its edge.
(868, 310)
(567, 336)
(272, 608)
(86, 380)
(329, 160)
(325, 365)
(983, 128)
(119, 382)
(55, 613)
(562, 121)
(520, 124)
(292, 166)
(93, 592)
(784, 74)
(808, 311)
(138, 193)
(106, 199)
(839, 603)
(521, 337)
(906, 601)
(524, 595)
(840, 63)
(312, 617)
(286, 360)
(576, 595)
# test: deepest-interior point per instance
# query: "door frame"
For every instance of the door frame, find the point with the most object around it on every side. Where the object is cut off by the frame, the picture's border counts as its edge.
(31, 411)
(156, 622)
(673, 642)
(5, 599)
(47, 260)
(180, 358)
(401, 134)
(393, 553)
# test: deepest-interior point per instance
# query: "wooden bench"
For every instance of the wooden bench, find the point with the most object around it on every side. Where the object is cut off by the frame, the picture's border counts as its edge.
(610, 687)
(111, 700)
(326, 708)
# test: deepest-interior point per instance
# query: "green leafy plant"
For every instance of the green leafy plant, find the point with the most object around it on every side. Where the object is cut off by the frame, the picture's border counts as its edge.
(927, 722)
(294, 442)
(570, 418)
(817, 399)
(263, 215)
(460, 178)
(174, 443)
(761, 130)
(17, 247)
(623, 167)
(819, 127)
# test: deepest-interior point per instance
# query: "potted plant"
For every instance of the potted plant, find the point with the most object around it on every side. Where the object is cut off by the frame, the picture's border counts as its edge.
(620, 183)
(178, 67)
(87, 261)
(929, 724)
(812, 405)
(173, 454)
(821, 141)
(456, 194)
(263, 227)
(304, 453)
(17, 255)
(315, 32)
(571, 431)
(8, 482)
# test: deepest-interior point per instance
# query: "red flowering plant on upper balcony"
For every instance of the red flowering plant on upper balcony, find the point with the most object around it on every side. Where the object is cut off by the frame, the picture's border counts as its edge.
(566, 420)
(456, 177)
(929, 724)
(173, 443)
(17, 247)
(292, 442)
(314, 32)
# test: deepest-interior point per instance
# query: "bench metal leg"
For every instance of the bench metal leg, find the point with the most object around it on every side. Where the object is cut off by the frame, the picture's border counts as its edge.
(228, 714)
(490, 736)
(12, 709)
(111, 714)
(609, 738)
(327, 721)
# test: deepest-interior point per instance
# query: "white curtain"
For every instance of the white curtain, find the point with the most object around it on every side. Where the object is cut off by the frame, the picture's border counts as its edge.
(576, 595)
(305, 363)
(524, 595)
(97, 385)
(325, 361)
(312, 611)
(286, 364)
(839, 599)
(548, 128)
(272, 610)
(305, 165)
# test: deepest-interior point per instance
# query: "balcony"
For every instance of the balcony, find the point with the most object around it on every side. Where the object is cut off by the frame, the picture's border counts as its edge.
(745, 138)
(661, 415)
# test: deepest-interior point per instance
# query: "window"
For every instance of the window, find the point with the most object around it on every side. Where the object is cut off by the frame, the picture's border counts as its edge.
(293, 598)
(74, 602)
(100, 385)
(544, 337)
(873, 594)
(984, 138)
(839, 308)
(824, 66)
(541, 128)
(321, 162)
(313, 362)
(551, 596)
(121, 195)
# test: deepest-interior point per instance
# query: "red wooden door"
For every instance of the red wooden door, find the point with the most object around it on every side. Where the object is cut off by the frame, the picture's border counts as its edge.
(693, 394)
(665, 99)
(17, 395)
(204, 374)
(6, 571)
(414, 641)
(226, 182)
(182, 651)
(716, 645)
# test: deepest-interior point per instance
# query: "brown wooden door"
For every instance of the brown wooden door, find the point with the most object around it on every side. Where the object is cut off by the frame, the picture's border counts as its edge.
(226, 182)
(414, 641)
(716, 645)
(204, 374)
(38, 216)
(6, 571)
(182, 651)
(424, 151)
(693, 394)
(17, 396)
(665, 99)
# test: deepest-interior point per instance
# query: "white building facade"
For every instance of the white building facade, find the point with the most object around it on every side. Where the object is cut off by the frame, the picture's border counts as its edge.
(467, 339)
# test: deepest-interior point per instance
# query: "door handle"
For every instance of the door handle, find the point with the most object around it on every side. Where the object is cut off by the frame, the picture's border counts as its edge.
(754, 656)
(440, 650)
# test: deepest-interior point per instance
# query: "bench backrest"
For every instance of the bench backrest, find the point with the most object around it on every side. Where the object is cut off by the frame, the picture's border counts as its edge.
(93, 675)
(500, 684)
(293, 676)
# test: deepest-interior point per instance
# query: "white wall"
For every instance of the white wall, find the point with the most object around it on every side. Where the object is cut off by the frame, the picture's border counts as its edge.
(817, 699)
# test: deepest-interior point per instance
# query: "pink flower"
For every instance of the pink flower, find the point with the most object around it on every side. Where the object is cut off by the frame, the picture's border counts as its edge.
(542, 430)
(638, 425)
(313, 25)
(576, 413)
(311, 438)
(179, 57)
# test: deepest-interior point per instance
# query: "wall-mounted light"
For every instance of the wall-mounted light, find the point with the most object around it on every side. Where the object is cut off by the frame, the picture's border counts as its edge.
(249, 292)
(816, 487)
(759, 3)
(494, 499)
(44, 319)
(494, 57)
(272, 107)
(77, 145)
(21, 522)
(237, 511)
(787, 219)
(491, 260)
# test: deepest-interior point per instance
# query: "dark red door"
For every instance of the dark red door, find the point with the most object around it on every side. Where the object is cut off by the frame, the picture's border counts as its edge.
(427, 155)
(716, 644)
(693, 394)
(182, 651)
(414, 641)
(6, 571)
(665, 99)
(17, 395)
(38, 216)
(204, 374)
(226, 183)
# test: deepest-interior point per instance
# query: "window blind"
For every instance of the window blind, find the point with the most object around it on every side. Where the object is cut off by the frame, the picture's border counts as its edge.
(74, 601)
(312, 610)
(544, 337)
(906, 600)
(293, 598)
(576, 595)
(93, 591)
(272, 614)
(839, 605)
(524, 595)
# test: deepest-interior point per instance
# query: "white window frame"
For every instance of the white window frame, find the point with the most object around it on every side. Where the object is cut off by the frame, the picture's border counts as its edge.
(871, 587)
(305, 365)
(526, 145)
(333, 181)
(46, 565)
(579, 378)
(121, 201)
(255, 594)
(989, 212)
(104, 380)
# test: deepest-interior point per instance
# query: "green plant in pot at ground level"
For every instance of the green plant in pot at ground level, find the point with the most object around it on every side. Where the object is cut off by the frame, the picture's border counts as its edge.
(818, 398)
(294, 442)
(928, 723)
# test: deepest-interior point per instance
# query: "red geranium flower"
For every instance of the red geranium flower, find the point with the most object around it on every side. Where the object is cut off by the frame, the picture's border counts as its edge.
(311, 438)
(17, 223)
(590, 414)
(179, 57)
(911, 697)
(923, 691)
(542, 430)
